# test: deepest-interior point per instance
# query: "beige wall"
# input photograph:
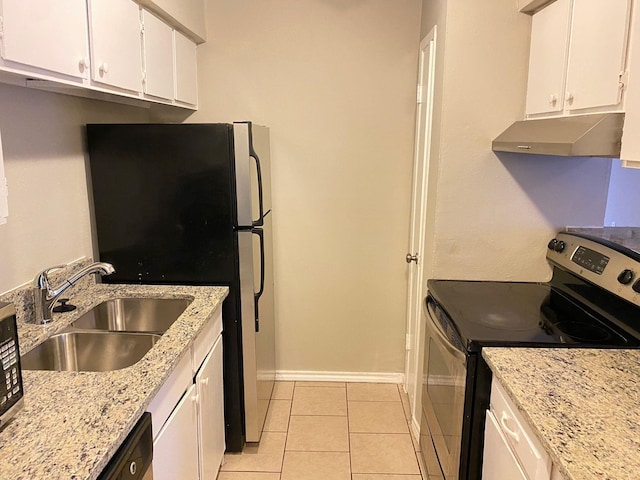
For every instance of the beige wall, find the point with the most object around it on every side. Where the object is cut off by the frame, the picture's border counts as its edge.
(43, 145)
(335, 81)
(493, 215)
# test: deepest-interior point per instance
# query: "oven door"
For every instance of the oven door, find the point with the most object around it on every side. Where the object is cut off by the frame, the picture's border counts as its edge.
(443, 393)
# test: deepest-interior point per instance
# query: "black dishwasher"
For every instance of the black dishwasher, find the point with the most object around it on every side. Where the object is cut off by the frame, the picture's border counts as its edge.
(133, 459)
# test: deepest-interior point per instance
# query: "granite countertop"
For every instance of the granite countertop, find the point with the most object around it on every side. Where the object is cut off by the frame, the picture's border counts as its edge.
(73, 422)
(584, 405)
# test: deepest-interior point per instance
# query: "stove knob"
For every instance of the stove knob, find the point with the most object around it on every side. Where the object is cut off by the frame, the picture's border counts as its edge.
(636, 286)
(625, 276)
(559, 247)
(552, 244)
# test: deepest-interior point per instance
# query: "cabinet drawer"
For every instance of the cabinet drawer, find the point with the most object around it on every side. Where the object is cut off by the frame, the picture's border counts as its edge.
(206, 338)
(533, 459)
(169, 395)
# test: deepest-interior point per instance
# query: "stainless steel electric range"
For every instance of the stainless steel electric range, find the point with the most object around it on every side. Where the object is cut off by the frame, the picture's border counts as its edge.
(592, 301)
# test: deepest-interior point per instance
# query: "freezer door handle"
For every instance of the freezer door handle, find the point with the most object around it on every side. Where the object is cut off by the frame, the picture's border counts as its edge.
(260, 233)
(252, 153)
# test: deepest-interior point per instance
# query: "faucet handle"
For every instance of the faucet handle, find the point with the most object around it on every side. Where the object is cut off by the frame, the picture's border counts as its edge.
(42, 279)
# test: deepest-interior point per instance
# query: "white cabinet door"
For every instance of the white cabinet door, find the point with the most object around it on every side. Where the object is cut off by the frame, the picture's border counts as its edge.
(175, 449)
(116, 52)
(186, 70)
(597, 53)
(548, 58)
(499, 462)
(211, 409)
(47, 34)
(158, 57)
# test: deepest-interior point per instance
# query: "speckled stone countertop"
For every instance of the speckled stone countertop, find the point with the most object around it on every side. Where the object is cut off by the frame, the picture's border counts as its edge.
(584, 405)
(73, 422)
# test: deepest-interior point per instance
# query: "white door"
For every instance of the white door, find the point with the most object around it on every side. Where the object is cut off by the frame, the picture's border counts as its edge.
(116, 43)
(158, 57)
(186, 70)
(415, 257)
(548, 58)
(47, 34)
(499, 462)
(211, 409)
(175, 449)
(597, 53)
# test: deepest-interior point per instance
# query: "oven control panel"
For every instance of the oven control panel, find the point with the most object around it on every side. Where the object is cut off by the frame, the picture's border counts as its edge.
(610, 266)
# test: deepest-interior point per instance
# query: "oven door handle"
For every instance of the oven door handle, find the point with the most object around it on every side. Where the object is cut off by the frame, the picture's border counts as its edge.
(444, 340)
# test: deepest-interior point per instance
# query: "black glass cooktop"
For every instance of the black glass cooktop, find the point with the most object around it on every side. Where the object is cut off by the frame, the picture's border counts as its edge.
(565, 312)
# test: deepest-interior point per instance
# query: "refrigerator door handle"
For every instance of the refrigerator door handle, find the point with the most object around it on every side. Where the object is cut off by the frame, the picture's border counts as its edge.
(260, 233)
(252, 153)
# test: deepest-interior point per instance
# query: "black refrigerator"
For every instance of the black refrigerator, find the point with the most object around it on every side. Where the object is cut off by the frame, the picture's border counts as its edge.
(191, 204)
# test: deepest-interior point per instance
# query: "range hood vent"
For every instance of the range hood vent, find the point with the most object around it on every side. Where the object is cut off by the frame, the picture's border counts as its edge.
(597, 135)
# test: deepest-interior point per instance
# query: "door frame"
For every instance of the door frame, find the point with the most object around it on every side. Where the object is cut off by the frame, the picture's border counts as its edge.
(417, 242)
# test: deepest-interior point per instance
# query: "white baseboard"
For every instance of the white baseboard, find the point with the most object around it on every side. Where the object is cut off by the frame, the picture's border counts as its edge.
(363, 377)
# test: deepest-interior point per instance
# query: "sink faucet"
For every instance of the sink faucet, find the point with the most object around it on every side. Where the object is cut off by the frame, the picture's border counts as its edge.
(45, 296)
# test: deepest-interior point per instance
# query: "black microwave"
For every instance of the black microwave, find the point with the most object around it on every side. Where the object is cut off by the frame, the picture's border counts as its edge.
(11, 392)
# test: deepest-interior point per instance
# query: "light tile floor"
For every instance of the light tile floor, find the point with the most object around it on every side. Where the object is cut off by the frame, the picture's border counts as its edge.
(331, 431)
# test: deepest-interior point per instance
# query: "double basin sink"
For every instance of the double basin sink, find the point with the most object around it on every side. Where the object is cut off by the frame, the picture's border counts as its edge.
(112, 335)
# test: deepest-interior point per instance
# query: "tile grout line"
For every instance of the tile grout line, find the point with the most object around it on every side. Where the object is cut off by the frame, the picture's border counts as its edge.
(346, 394)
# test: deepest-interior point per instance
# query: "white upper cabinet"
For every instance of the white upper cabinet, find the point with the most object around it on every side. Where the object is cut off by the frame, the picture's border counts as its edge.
(188, 15)
(158, 57)
(548, 58)
(597, 53)
(577, 57)
(186, 70)
(46, 34)
(116, 56)
(98, 47)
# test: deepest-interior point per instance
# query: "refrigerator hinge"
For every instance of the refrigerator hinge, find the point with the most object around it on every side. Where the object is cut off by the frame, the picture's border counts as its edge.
(407, 345)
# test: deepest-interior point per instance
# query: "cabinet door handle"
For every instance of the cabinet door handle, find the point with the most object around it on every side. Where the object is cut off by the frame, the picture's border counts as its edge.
(504, 418)
(104, 68)
(569, 97)
(553, 99)
(204, 381)
(83, 64)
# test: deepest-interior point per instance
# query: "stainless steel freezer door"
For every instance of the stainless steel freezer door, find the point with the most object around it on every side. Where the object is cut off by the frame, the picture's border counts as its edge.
(258, 347)
(252, 154)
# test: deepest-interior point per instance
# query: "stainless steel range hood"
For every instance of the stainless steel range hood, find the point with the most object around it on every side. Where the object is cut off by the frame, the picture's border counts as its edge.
(597, 135)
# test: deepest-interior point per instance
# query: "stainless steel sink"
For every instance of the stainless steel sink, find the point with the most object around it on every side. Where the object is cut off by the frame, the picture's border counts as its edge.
(134, 314)
(89, 351)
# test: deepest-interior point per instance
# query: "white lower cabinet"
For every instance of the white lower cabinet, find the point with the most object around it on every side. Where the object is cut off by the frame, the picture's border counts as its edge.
(511, 449)
(499, 461)
(211, 413)
(187, 413)
(175, 449)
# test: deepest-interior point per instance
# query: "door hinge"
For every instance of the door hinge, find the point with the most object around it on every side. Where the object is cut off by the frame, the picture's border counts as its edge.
(419, 95)
(623, 79)
(407, 345)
